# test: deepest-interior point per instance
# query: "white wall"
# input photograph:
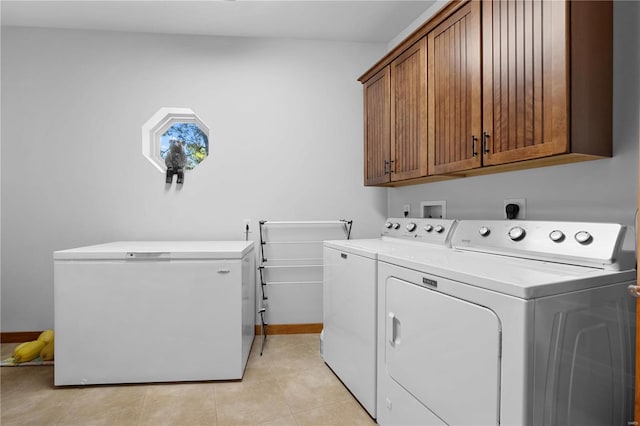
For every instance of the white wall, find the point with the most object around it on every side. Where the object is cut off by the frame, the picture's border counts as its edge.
(285, 144)
(417, 23)
(601, 190)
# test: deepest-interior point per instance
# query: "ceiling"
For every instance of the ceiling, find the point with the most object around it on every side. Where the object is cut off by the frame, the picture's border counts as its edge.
(360, 21)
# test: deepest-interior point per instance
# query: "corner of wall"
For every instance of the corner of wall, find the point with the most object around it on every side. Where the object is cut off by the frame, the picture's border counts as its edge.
(435, 7)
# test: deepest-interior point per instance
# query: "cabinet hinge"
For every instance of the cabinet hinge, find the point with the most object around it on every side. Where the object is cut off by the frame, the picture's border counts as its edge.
(388, 167)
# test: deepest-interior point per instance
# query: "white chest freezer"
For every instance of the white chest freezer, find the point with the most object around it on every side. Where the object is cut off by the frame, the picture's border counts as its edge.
(153, 311)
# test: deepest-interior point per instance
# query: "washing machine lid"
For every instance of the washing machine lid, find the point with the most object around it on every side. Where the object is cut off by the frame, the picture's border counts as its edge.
(522, 278)
(158, 250)
(399, 234)
(366, 248)
(370, 248)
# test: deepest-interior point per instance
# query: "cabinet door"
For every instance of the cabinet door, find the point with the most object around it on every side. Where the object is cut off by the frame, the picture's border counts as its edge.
(454, 92)
(376, 128)
(525, 91)
(409, 113)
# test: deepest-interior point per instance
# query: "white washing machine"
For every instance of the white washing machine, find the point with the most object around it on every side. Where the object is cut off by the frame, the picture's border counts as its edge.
(350, 298)
(521, 323)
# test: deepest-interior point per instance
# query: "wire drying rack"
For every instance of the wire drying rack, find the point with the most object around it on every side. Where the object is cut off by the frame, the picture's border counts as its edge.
(286, 253)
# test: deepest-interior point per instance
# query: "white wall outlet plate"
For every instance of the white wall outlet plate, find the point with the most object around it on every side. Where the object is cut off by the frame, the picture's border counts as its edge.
(406, 209)
(522, 205)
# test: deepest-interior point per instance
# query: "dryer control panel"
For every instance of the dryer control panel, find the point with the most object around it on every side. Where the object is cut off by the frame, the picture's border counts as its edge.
(577, 243)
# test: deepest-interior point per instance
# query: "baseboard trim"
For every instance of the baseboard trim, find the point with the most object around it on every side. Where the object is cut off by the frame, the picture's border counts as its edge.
(312, 328)
(292, 328)
(18, 336)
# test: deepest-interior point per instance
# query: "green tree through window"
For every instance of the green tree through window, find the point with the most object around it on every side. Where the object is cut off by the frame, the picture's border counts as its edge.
(195, 141)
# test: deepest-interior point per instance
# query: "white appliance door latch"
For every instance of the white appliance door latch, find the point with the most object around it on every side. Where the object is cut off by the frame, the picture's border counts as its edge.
(634, 291)
(393, 329)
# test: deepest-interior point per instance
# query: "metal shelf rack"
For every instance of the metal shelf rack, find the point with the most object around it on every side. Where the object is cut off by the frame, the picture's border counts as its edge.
(292, 255)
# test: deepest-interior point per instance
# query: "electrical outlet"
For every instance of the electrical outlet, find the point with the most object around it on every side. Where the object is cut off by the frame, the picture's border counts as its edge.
(406, 209)
(522, 205)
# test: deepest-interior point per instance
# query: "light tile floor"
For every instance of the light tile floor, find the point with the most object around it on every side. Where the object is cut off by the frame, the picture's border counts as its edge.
(288, 385)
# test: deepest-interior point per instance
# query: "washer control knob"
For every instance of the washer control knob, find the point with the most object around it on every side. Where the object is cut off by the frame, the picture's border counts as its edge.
(388, 225)
(484, 231)
(428, 228)
(396, 225)
(556, 236)
(411, 227)
(583, 237)
(439, 229)
(516, 233)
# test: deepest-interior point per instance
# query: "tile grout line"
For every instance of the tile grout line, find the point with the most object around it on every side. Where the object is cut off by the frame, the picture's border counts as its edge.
(144, 399)
(281, 389)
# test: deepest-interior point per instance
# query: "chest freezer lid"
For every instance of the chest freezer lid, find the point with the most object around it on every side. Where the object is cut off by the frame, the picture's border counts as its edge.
(158, 250)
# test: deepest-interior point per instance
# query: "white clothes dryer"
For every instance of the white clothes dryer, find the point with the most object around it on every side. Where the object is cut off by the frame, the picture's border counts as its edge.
(349, 336)
(521, 323)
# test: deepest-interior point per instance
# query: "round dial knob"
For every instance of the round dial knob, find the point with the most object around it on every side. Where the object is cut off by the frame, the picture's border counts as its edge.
(439, 229)
(388, 225)
(516, 233)
(428, 228)
(556, 236)
(396, 225)
(583, 237)
(411, 227)
(484, 231)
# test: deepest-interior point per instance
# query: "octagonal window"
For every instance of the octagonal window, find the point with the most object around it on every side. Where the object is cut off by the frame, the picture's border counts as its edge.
(175, 126)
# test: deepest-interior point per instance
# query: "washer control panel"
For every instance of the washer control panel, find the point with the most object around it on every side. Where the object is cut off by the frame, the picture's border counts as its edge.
(580, 243)
(437, 231)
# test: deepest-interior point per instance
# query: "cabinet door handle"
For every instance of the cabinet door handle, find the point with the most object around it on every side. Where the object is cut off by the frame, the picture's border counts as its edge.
(386, 167)
(473, 145)
(485, 136)
(634, 291)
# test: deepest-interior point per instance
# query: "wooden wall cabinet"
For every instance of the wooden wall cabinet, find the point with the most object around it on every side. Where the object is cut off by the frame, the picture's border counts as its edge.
(537, 92)
(547, 80)
(395, 107)
(525, 64)
(377, 136)
(409, 113)
(455, 117)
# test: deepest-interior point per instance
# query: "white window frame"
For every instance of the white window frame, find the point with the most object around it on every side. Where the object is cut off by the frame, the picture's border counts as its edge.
(158, 124)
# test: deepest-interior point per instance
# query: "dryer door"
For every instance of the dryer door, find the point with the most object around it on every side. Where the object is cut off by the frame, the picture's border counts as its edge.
(444, 351)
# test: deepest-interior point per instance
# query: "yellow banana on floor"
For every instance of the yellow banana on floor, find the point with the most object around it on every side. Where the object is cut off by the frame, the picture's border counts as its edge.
(46, 336)
(47, 352)
(28, 351)
(18, 347)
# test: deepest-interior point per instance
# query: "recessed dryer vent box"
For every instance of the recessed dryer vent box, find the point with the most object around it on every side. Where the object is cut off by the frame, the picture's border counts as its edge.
(434, 209)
